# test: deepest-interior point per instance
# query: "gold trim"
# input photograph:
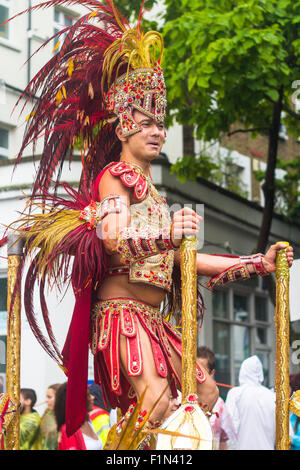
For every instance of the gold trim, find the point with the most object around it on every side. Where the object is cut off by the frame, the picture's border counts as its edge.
(13, 352)
(188, 254)
(282, 386)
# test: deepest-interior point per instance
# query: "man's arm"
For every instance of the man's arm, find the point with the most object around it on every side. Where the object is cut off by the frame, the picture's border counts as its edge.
(224, 269)
(210, 265)
(112, 223)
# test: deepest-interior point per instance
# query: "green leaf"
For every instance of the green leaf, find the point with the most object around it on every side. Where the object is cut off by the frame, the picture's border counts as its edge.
(273, 94)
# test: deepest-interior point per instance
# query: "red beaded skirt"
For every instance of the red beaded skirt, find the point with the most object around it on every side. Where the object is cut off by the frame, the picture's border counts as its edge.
(114, 317)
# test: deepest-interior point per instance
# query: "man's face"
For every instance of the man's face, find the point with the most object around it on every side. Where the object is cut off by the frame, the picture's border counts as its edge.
(204, 363)
(147, 143)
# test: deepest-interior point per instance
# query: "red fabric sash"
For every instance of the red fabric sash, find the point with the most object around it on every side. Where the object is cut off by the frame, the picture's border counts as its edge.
(75, 354)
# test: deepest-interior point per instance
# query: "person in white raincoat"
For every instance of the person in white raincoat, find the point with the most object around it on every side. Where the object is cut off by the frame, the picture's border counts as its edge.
(252, 408)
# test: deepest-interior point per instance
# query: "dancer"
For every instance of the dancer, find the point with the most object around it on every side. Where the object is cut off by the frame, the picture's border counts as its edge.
(106, 87)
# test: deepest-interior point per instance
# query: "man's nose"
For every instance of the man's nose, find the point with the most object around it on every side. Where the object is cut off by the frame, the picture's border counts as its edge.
(155, 129)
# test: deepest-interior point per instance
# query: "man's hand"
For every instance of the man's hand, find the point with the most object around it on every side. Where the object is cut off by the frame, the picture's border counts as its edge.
(269, 259)
(185, 222)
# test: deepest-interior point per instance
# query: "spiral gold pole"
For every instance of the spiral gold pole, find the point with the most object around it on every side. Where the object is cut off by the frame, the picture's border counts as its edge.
(189, 419)
(188, 266)
(13, 342)
(282, 386)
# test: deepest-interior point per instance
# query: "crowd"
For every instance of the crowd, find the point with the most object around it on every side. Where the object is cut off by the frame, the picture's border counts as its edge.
(48, 432)
(245, 421)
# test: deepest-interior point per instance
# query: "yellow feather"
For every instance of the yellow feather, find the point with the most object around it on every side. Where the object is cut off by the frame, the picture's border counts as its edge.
(70, 67)
(59, 98)
(133, 49)
(94, 13)
(44, 231)
(91, 91)
(131, 436)
(30, 115)
(56, 47)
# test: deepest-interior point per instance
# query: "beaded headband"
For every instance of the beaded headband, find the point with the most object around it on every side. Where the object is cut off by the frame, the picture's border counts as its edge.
(142, 89)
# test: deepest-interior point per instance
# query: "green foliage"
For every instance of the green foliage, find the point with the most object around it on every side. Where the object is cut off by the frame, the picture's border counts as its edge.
(221, 171)
(131, 9)
(190, 168)
(225, 61)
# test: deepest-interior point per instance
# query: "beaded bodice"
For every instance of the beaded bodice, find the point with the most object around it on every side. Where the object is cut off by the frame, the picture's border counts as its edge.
(149, 216)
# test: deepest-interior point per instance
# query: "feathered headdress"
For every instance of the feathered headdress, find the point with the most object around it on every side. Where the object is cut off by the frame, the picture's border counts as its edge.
(103, 70)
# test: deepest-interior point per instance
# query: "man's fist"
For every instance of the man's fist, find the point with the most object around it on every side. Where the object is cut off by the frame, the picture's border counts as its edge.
(185, 222)
(269, 259)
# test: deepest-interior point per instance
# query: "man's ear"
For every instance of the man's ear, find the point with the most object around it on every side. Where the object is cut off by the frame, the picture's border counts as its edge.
(119, 134)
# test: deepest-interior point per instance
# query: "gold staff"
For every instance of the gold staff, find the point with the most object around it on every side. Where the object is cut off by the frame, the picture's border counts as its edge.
(282, 386)
(189, 419)
(188, 266)
(14, 252)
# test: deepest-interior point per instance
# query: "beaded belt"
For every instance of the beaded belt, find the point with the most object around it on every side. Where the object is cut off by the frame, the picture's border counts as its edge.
(118, 304)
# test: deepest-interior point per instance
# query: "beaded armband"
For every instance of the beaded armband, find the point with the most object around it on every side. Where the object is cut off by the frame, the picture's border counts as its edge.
(248, 266)
(136, 244)
(96, 211)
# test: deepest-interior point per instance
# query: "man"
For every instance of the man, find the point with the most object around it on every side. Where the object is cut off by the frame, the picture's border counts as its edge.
(252, 408)
(220, 420)
(29, 419)
(98, 415)
(106, 87)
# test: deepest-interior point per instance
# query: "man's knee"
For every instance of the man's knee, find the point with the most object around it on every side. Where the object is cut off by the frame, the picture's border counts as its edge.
(162, 405)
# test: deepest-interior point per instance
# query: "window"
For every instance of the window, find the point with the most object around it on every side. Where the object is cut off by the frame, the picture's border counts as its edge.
(4, 143)
(4, 15)
(241, 328)
(61, 21)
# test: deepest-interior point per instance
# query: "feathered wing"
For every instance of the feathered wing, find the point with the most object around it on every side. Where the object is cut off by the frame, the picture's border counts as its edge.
(60, 239)
(61, 249)
(71, 103)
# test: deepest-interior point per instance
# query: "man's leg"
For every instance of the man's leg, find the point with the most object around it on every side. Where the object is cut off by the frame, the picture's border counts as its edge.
(207, 392)
(149, 377)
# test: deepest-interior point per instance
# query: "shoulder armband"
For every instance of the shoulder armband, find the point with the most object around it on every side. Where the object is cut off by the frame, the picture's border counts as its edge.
(132, 177)
(96, 211)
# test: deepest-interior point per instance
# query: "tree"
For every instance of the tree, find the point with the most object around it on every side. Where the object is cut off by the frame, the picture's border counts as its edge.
(132, 9)
(287, 193)
(235, 61)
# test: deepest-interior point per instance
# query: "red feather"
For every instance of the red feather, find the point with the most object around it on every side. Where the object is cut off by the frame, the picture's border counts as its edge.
(77, 114)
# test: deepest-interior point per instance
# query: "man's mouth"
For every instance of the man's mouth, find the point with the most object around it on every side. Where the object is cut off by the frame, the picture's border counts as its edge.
(154, 144)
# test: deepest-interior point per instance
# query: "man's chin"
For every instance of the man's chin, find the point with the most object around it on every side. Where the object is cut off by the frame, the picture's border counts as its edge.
(152, 155)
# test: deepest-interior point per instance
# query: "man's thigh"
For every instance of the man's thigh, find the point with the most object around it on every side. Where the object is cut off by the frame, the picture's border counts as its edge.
(149, 377)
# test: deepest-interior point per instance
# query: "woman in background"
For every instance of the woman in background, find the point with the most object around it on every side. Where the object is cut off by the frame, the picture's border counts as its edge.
(85, 438)
(47, 437)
